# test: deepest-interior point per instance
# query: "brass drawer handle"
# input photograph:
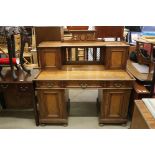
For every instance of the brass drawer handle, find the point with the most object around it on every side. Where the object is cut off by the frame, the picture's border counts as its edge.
(4, 86)
(50, 85)
(117, 85)
(84, 85)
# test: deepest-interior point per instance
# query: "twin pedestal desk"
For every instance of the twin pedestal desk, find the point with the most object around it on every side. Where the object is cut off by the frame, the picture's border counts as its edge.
(82, 65)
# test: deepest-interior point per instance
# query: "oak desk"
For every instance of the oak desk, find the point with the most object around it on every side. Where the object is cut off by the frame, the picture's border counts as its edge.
(110, 78)
(142, 118)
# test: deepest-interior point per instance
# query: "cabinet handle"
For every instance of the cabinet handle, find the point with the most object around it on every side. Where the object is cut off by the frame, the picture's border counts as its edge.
(83, 85)
(4, 86)
(50, 85)
(117, 85)
(22, 88)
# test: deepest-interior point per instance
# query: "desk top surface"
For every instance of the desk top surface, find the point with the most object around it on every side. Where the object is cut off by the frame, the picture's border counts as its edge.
(146, 39)
(140, 76)
(150, 121)
(81, 44)
(84, 75)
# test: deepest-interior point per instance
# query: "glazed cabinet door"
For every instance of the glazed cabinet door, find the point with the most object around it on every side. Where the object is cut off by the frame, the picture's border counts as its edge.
(114, 105)
(52, 106)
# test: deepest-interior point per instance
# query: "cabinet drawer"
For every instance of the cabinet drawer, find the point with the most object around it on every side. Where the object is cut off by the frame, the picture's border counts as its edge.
(4, 86)
(25, 87)
(49, 84)
(82, 84)
(117, 84)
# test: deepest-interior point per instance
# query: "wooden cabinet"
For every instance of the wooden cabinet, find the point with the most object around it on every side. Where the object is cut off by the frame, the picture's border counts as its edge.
(142, 117)
(116, 57)
(49, 58)
(17, 95)
(113, 105)
(52, 106)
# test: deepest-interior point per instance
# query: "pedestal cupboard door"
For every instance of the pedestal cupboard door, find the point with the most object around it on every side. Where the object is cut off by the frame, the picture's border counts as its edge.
(115, 104)
(51, 104)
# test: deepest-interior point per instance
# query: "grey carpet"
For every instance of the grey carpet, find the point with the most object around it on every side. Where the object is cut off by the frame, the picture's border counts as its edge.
(83, 109)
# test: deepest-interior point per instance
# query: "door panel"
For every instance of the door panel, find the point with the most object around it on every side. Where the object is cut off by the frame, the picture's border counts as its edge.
(114, 103)
(51, 103)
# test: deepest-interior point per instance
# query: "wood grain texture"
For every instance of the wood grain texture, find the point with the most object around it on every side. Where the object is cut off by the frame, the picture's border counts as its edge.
(84, 75)
(116, 57)
(80, 44)
(48, 33)
(18, 94)
(50, 58)
(52, 106)
(109, 31)
(142, 118)
(113, 105)
(137, 74)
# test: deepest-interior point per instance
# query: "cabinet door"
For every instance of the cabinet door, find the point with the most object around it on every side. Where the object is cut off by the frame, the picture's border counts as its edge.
(116, 57)
(25, 95)
(115, 104)
(51, 104)
(10, 95)
(50, 58)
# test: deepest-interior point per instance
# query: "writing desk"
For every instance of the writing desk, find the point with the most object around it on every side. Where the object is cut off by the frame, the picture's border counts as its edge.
(110, 78)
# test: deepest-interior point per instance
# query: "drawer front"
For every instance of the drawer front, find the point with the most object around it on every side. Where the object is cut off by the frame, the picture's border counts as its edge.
(4, 86)
(82, 84)
(117, 84)
(49, 84)
(18, 95)
(24, 87)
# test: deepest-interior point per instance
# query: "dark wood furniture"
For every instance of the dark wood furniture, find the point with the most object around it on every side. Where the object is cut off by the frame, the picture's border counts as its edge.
(77, 27)
(83, 35)
(48, 33)
(109, 32)
(18, 94)
(142, 87)
(139, 91)
(140, 43)
(110, 78)
(142, 118)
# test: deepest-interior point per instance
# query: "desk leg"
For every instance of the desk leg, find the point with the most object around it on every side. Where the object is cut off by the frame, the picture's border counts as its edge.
(36, 114)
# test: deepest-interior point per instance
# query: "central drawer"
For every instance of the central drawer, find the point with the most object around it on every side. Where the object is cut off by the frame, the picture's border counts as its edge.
(82, 84)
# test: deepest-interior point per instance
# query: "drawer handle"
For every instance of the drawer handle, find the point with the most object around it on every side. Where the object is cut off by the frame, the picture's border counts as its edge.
(84, 85)
(117, 85)
(23, 88)
(50, 85)
(4, 86)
